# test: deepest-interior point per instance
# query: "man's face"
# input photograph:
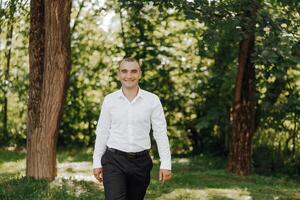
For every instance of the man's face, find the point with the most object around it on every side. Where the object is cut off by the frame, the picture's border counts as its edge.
(129, 74)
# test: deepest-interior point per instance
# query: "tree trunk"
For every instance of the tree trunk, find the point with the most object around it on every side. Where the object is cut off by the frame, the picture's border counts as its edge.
(9, 37)
(295, 135)
(243, 111)
(76, 20)
(49, 59)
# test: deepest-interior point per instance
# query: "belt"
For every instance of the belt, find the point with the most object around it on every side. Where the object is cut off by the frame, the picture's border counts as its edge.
(130, 155)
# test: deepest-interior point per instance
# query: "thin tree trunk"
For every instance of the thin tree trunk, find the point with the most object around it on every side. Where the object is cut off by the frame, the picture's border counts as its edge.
(243, 112)
(294, 135)
(194, 137)
(76, 20)
(49, 58)
(9, 36)
(1, 23)
(122, 28)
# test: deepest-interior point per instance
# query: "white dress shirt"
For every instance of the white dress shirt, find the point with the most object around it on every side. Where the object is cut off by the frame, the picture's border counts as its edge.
(125, 126)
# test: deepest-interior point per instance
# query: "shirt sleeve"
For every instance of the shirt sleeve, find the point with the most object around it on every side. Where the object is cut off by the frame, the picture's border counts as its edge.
(159, 126)
(102, 134)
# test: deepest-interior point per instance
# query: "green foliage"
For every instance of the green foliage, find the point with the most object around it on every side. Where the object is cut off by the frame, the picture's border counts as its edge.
(166, 48)
(90, 79)
(22, 188)
(188, 51)
(13, 78)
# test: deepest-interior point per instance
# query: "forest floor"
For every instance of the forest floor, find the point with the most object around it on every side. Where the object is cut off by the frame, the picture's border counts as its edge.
(200, 177)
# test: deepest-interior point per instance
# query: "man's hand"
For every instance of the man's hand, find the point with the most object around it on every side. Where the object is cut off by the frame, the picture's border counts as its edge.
(165, 175)
(98, 174)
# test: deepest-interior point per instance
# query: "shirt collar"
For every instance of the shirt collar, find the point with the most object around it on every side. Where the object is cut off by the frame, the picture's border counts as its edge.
(140, 93)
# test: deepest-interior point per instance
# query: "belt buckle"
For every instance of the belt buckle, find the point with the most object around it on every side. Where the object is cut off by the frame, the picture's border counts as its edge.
(131, 155)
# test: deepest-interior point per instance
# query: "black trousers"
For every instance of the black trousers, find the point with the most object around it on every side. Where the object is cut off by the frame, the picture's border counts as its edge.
(125, 178)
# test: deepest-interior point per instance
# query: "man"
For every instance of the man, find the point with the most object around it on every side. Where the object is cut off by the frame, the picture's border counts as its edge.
(121, 156)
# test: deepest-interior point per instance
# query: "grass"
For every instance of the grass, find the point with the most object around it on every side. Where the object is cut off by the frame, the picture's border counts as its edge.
(201, 177)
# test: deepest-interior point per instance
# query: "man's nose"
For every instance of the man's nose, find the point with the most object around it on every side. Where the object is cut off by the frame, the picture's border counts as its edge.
(128, 75)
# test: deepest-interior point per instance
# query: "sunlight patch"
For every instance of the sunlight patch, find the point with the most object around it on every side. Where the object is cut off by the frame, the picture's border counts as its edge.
(80, 171)
(238, 194)
(182, 160)
(12, 167)
(75, 165)
(78, 177)
(206, 194)
(73, 185)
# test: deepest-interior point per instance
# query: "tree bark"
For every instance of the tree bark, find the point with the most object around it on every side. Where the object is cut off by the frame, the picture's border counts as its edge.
(49, 59)
(243, 111)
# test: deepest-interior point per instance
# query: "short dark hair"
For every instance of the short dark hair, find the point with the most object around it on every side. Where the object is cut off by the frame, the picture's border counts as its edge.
(129, 59)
